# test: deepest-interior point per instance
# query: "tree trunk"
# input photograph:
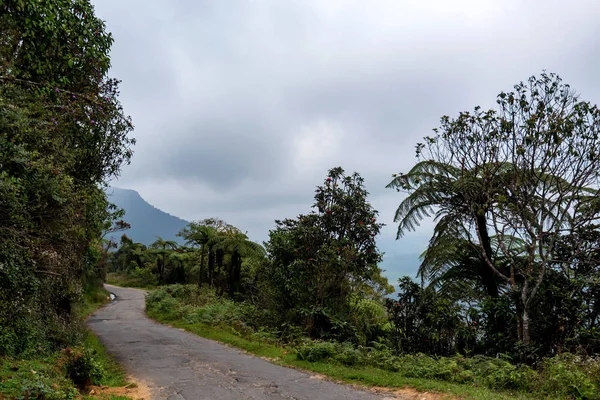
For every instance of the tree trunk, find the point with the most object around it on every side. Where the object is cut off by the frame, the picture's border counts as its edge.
(519, 309)
(159, 266)
(526, 327)
(211, 267)
(487, 275)
(235, 274)
(220, 258)
(201, 267)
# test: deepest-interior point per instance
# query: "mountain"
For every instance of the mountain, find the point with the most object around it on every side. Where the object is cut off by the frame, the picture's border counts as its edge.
(147, 222)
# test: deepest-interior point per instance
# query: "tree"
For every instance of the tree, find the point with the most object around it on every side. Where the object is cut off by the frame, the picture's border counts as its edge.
(204, 235)
(129, 252)
(63, 135)
(319, 259)
(533, 165)
(455, 196)
(237, 244)
(162, 248)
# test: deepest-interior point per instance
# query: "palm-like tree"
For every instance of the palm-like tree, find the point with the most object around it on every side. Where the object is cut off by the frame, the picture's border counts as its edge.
(162, 248)
(201, 235)
(458, 199)
(204, 234)
(128, 252)
(237, 244)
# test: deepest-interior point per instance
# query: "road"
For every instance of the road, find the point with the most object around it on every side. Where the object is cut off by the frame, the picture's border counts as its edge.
(178, 365)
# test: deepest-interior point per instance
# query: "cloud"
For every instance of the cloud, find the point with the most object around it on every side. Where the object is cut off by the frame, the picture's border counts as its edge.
(242, 106)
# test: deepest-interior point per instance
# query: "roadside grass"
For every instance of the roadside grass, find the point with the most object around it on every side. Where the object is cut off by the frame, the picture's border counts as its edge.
(46, 375)
(130, 280)
(362, 376)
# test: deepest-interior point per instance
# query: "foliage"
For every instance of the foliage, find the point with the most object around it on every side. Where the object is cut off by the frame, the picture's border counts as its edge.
(565, 376)
(57, 375)
(217, 255)
(83, 368)
(319, 260)
(202, 311)
(514, 192)
(62, 136)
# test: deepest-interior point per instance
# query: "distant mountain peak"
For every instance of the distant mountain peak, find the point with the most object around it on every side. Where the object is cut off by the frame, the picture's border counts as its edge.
(147, 221)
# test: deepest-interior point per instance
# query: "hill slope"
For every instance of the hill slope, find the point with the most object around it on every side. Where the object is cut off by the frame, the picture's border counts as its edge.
(147, 222)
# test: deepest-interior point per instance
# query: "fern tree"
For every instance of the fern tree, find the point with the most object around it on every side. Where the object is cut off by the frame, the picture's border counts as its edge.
(200, 234)
(238, 246)
(162, 249)
(532, 166)
(455, 197)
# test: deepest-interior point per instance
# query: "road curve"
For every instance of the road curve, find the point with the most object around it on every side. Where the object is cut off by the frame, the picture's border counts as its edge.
(178, 365)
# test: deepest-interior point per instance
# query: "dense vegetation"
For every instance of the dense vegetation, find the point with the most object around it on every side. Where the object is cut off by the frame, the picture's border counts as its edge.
(469, 376)
(63, 135)
(510, 281)
(514, 262)
(511, 272)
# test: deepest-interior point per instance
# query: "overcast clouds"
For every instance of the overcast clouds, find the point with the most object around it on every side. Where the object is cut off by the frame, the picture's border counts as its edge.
(241, 106)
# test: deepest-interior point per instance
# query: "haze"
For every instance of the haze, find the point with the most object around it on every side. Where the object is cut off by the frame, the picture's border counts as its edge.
(241, 107)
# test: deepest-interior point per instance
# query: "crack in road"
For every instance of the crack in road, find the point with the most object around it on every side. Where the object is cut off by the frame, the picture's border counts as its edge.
(177, 365)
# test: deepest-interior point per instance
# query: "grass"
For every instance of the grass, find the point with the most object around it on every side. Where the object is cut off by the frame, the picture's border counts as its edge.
(127, 280)
(45, 377)
(364, 376)
(92, 300)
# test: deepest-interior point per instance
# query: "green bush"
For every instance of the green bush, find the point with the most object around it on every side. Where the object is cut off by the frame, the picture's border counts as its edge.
(566, 375)
(83, 367)
(348, 355)
(167, 307)
(187, 293)
(316, 351)
(45, 390)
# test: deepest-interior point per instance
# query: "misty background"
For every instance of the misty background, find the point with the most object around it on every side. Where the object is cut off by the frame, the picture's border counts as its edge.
(241, 106)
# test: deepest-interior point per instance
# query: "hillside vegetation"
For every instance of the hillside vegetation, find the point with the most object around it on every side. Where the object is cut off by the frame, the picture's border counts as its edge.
(63, 135)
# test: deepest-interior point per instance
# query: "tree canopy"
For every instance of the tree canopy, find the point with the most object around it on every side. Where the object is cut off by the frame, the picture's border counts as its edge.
(63, 134)
(514, 182)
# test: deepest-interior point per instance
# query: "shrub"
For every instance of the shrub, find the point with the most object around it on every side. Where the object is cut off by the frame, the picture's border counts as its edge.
(83, 367)
(316, 351)
(45, 390)
(348, 355)
(264, 336)
(565, 375)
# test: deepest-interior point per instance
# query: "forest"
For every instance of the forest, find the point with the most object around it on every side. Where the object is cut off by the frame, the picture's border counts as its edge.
(507, 296)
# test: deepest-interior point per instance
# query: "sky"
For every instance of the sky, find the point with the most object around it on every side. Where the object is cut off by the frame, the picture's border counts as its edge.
(240, 107)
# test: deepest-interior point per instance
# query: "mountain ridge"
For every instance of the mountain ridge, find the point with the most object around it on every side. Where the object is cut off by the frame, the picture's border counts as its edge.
(147, 221)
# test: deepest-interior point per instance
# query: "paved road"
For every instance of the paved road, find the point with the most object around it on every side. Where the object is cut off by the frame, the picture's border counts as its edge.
(178, 365)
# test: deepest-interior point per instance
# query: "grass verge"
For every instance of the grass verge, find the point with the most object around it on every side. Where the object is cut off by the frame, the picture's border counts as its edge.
(49, 376)
(363, 376)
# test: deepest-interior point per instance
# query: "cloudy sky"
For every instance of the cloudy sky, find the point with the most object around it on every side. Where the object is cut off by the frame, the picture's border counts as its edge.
(241, 106)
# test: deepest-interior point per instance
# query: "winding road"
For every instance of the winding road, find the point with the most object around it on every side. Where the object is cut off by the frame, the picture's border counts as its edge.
(177, 365)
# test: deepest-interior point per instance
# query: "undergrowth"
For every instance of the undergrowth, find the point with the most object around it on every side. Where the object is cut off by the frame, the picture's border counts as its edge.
(65, 374)
(565, 376)
(138, 278)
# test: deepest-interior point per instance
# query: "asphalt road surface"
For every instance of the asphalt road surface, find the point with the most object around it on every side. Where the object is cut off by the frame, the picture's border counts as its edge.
(177, 365)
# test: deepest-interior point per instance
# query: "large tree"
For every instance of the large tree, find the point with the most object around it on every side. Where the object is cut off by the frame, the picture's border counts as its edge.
(319, 259)
(532, 167)
(63, 134)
